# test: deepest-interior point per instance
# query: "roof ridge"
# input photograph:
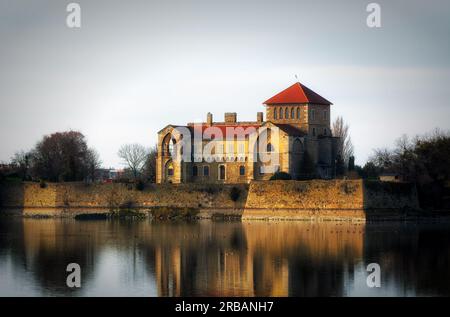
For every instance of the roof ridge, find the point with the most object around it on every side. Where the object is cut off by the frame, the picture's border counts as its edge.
(297, 94)
(302, 90)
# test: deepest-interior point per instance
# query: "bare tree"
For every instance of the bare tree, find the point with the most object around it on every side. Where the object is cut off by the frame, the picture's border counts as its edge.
(92, 163)
(22, 160)
(134, 156)
(345, 146)
(150, 164)
(382, 158)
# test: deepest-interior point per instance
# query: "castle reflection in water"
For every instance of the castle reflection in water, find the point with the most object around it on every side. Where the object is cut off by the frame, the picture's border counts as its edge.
(208, 258)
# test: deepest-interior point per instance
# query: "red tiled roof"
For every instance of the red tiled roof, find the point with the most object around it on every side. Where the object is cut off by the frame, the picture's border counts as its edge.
(223, 128)
(297, 93)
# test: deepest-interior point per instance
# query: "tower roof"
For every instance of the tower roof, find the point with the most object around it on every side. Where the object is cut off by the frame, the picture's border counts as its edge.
(297, 93)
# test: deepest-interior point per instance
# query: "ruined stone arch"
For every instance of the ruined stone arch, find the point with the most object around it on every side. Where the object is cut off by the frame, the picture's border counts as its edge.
(167, 144)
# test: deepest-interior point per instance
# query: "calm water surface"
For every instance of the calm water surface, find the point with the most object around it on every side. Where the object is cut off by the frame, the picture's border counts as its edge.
(207, 258)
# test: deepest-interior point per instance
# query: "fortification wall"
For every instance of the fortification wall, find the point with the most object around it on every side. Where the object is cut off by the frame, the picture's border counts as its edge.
(76, 198)
(336, 199)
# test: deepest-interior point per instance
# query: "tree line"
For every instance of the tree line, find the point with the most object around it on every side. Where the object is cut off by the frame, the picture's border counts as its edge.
(58, 157)
(423, 160)
(66, 157)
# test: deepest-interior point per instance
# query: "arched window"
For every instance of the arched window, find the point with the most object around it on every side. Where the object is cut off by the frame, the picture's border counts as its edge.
(298, 113)
(194, 170)
(242, 170)
(297, 146)
(286, 113)
(206, 170)
(275, 114)
(281, 113)
(292, 113)
(269, 147)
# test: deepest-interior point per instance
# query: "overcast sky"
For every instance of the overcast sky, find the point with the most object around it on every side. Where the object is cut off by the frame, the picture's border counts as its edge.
(135, 66)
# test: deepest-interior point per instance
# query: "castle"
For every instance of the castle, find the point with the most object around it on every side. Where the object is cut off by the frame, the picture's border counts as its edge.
(295, 138)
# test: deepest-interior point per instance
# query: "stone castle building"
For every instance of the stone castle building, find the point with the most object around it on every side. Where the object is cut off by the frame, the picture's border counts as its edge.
(297, 138)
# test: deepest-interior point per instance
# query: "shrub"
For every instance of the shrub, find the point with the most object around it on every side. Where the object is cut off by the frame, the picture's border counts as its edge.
(43, 184)
(235, 193)
(281, 176)
(140, 185)
(348, 188)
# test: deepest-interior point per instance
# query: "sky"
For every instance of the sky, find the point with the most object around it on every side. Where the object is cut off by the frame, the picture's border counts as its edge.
(135, 66)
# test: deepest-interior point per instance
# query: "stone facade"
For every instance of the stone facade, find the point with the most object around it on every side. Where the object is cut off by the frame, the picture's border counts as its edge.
(297, 138)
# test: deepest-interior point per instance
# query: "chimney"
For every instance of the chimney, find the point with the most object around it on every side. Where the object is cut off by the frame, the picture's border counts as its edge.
(230, 117)
(259, 117)
(209, 118)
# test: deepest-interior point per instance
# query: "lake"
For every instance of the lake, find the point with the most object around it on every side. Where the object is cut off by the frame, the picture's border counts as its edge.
(222, 258)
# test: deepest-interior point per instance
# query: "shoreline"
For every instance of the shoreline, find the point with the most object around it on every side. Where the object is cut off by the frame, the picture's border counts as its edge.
(170, 214)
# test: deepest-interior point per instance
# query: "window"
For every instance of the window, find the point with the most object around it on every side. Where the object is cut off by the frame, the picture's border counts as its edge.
(206, 170)
(297, 146)
(170, 148)
(324, 131)
(269, 147)
(242, 170)
(314, 131)
(292, 113)
(298, 113)
(275, 114)
(169, 169)
(221, 172)
(194, 170)
(313, 115)
(286, 113)
(325, 115)
(281, 113)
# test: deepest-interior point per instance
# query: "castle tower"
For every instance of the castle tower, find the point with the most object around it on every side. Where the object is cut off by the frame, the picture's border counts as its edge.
(301, 107)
